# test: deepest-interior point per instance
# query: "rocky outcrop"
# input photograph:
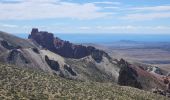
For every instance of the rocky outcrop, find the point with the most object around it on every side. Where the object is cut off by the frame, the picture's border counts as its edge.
(6, 45)
(15, 56)
(36, 50)
(53, 64)
(154, 69)
(43, 38)
(133, 75)
(70, 70)
(41, 52)
(127, 75)
(10, 41)
(64, 48)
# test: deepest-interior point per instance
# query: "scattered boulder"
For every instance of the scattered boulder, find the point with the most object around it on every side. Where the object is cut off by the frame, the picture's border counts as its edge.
(154, 69)
(166, 81)
(165, 92)
(159, 91)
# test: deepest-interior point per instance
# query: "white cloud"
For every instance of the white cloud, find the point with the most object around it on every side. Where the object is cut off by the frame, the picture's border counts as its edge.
(113, 11)
(45, 9)
(146, 16)
(111, 7)
(126, 27)
(146, 13)
(85, 28)
(152, 8)
(10, 1)
(107, 2)
(132, 29)
(9, 25)
(112, 29)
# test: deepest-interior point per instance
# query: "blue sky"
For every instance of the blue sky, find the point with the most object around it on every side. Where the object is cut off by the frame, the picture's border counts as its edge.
(86, 16)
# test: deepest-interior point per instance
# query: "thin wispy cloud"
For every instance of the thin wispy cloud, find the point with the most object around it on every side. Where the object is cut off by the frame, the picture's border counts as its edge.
(107, 2)
(10, 26)
(11, 1)
(112, 7)
(146, 16)
(45, 9)
(77, 16)
(146, 13)
(152, 8)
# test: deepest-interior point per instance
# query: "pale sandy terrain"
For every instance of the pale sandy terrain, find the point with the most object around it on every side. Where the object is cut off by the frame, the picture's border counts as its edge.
(156, 57)
(157, 54)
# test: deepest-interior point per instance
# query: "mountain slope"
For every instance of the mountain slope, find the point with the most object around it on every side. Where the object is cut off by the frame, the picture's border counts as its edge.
(15, 41)
(23, 83)
(47, 53)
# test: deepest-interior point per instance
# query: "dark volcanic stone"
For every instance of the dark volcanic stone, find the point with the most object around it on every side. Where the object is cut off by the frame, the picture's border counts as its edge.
(97, 55)
(34, 30)
(16, 55)
(36, 50)
(64, 48)
(44, 39)
(128, 76)
(70, 70)
(6, 45)
(53, 64)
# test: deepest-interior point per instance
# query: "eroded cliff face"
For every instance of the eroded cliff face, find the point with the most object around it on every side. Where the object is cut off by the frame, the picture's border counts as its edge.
(134, 76)
(64, 48)
(127, 75)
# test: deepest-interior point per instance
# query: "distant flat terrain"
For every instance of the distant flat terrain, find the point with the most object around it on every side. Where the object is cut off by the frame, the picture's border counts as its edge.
(154, 53)
(157, 54)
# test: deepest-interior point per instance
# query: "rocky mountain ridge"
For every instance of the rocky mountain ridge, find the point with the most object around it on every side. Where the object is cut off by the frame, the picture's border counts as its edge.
(43, 51)
(64, 48)
(46, 54)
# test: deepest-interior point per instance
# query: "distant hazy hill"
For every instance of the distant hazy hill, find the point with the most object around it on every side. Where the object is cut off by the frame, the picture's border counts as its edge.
(21, 83)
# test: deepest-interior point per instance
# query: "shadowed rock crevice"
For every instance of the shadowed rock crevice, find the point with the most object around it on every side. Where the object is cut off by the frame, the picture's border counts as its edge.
(53, 64)
(70, 70)
(16, 56)
(6, 45)
(97, 54)
(36, 50)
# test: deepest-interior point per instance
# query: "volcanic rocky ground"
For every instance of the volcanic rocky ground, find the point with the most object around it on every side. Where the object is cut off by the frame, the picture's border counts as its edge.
(54, 56)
